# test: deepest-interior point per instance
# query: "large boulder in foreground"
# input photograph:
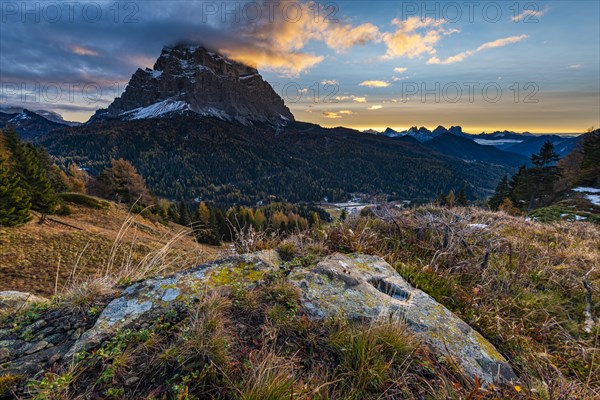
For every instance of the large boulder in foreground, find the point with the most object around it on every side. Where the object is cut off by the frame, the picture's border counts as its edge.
(355, 286)
(360, 286)
(147, 300)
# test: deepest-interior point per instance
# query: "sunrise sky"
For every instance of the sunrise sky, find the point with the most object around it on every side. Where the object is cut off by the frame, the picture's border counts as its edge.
(522, 66)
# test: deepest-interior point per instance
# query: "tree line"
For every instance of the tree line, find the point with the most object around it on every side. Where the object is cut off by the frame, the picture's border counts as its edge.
(548, 177)
(29, 180)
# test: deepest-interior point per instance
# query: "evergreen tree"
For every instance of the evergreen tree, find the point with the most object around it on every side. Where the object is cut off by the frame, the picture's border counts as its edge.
(461, 199)
(503, 191)
(185, 218)
(343, 215)
(14, 201)
(33, 177)
(546, 156)
(590, 165)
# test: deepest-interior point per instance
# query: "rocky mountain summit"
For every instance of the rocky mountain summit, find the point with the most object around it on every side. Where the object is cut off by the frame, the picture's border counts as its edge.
(192, 79)
(350, 287)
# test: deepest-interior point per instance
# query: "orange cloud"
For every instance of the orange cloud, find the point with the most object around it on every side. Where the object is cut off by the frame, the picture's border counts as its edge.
(406, 41)
(276, 43)
(82, 51)
(375, 84)
(331, 115)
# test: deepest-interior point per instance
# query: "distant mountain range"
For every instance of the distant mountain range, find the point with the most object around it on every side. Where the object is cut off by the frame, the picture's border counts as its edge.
(523, 144)
(200, 125)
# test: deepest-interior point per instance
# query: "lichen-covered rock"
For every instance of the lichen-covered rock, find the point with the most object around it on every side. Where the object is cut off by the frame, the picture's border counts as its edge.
(11, 300)
(145, 301)
(361, 286)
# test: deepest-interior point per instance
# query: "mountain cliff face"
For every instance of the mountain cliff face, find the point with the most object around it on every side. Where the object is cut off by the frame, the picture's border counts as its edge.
(190, 79)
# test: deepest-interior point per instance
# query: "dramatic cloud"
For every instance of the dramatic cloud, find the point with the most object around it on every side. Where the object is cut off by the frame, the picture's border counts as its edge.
(489, 45)
(346, 112)
(414, 37)
(375, 107)
(400, 70)
(359, 99)
(374, 84)
(329, 82)
(277, 36)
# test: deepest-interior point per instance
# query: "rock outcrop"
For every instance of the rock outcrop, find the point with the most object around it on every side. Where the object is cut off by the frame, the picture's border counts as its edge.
(366, 286)
(355, 286)
(191, 79)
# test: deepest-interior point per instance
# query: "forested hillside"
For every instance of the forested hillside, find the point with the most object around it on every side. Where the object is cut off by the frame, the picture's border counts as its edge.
(229, 163)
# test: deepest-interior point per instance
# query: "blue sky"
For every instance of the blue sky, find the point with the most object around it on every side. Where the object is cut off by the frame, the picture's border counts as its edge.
(373, 63)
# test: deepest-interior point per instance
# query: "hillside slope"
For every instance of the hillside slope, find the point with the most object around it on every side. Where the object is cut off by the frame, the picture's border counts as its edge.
(35, 258)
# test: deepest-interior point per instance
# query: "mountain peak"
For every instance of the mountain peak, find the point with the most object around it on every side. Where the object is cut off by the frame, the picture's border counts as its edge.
(188, 78)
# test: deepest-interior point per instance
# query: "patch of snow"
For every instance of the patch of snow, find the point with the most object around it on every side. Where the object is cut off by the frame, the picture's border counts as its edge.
(583, 189)
(157, 109)
(248, 76)
(155, 74)
(20, 117)
(577, 217)
(215, 112)
(593, 198)
(491, 142)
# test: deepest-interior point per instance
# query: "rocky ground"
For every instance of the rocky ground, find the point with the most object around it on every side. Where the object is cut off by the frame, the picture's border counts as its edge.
(427, 303)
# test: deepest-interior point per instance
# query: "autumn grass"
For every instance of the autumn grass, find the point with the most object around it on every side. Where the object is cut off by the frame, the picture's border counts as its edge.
(50, 258)
(518, 282)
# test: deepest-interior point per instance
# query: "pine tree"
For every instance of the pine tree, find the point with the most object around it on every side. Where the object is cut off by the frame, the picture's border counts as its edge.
(461, 199)
(32, 174)
(546, 156)
(185, 218)
(502, 192)
(343, 215)
(14, 201)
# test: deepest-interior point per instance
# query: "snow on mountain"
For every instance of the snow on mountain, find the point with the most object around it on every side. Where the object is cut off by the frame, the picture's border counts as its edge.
(156, 110)
(191, 78)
